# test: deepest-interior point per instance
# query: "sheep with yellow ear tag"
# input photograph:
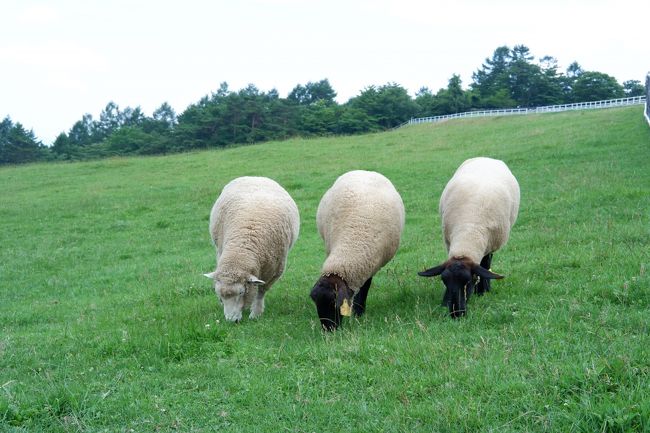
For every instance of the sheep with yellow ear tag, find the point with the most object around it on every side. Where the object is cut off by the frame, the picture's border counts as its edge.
(360, 219)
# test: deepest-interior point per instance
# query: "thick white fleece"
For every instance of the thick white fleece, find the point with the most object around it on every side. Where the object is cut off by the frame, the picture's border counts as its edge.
(360, 218)
(254, 223)
(478, 207)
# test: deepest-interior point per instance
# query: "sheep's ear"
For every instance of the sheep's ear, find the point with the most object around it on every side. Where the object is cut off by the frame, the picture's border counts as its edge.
(432, 272)
(484, 273)
(254, 280)
(211, 275)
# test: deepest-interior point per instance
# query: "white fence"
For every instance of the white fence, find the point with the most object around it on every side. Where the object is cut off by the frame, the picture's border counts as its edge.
(637, 100)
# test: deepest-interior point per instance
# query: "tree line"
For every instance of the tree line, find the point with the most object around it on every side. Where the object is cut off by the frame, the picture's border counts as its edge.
(512, 77)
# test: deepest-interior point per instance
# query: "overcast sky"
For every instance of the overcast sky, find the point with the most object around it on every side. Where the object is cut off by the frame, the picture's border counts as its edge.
(60, 59)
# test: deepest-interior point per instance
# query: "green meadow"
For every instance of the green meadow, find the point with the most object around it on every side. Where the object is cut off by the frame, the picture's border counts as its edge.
(108, 325)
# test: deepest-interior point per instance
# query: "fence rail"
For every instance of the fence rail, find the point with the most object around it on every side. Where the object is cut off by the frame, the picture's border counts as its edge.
(637, 100)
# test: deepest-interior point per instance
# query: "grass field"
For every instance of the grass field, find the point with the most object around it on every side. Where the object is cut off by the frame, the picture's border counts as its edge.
(107, 324)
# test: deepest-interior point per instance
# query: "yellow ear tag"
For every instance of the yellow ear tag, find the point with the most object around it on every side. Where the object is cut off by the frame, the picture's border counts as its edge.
(345, 308)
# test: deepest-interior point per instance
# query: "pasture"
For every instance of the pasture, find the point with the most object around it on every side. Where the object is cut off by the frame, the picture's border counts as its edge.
(107, 324)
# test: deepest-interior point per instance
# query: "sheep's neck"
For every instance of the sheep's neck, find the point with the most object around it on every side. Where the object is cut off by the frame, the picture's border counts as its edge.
(469, 241)
(240, 258)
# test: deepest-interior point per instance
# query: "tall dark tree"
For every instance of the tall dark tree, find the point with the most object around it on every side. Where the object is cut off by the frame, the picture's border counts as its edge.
(110, 120)
(281, 116)
(354, 121)
(426, 102)
(492, 78)
(512, 78)
(6, 127)
(131, 117)
(18, 145)
(533, 85)
(312, 92)
(574, 70)
(209, 122)
(549, 84)
(596, 86)
(389, 105)
(129, 140)
(62, 148)
(226, 117)
(522, 76)
(319, 118)
(453, 99)
(82, 132)
(633, 88)
(568, 81)
(253, 112)
(166, 115)
(144, 135)
(521, 53)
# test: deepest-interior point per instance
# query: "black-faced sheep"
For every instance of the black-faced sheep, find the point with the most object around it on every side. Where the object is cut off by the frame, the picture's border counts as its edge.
(478, 208)
(253, 224)
(360, 219)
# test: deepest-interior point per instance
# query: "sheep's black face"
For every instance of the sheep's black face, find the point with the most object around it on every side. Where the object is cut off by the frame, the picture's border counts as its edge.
(460, 276)
(325, 298)
(328, 294)
(459, 284)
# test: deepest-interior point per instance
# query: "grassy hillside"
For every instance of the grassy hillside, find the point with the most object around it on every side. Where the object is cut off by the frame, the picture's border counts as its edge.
(107, 324)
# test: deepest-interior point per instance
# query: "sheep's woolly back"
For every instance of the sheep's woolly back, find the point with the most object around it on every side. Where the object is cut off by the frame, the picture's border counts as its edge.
(478, 207)
(360, 218)
(254, 223)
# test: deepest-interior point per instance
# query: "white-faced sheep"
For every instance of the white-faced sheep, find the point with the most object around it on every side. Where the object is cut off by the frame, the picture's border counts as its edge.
(478, 208)
(253, 224)
(360, 219)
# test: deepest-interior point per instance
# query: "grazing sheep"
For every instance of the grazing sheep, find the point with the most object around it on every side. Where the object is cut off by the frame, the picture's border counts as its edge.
(478, 207)
(253, 224)
(360, 219)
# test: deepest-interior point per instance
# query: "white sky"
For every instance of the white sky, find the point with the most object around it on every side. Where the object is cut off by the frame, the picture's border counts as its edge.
(60, 59)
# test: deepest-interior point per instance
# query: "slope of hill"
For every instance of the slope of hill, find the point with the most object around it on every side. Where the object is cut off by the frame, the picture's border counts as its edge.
(106, 323)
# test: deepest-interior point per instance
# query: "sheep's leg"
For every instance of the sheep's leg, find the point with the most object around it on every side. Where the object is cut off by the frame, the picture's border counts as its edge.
(484, 283)
(360, 298)
(257, 307)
